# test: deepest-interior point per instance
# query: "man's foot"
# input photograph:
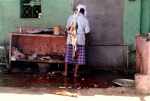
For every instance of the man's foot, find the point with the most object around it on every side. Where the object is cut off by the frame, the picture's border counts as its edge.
(64, 74)
(76, 76)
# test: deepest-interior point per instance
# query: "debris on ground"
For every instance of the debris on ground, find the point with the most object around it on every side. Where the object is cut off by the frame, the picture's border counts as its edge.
(65, 93)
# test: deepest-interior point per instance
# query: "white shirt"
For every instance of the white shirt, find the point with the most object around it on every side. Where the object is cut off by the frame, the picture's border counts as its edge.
(83, 27)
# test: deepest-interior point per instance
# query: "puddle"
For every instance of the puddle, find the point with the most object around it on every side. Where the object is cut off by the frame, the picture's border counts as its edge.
(92, 79)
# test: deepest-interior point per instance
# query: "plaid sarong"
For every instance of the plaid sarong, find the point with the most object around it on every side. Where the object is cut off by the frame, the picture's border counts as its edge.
(81, 58)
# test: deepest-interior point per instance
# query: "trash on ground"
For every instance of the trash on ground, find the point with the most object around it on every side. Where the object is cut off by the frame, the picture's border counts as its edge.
(62, 87)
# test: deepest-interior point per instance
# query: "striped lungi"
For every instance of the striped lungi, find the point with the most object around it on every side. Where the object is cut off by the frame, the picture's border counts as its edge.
(81, 58)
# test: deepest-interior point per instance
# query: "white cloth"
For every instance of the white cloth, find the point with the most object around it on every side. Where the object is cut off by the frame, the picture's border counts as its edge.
(83, 27)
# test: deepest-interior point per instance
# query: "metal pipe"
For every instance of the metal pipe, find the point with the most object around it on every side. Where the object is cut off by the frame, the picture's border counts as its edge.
(127, 50)
(108, 45)
(127, 55)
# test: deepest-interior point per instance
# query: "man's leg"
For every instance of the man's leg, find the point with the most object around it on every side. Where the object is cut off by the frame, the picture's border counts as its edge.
(76, 70)
(66, 69)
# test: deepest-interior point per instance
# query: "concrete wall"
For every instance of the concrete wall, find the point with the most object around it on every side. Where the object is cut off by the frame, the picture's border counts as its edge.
(106, 20)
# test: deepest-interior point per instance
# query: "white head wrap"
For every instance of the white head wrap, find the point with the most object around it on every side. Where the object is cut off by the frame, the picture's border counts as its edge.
(79, 8)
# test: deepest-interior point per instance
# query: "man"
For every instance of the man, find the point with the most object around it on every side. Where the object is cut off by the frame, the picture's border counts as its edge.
(79, 17)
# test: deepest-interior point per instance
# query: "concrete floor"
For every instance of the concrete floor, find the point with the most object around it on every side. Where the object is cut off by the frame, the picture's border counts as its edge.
(42, 94)
(28, 77)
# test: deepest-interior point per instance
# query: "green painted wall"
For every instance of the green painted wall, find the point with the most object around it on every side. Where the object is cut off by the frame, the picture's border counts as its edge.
(136, 20)
(131, 26)
(145, 16)
(53, 12)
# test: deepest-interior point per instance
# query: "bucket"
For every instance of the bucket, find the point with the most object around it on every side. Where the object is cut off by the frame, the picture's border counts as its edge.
(57, 29)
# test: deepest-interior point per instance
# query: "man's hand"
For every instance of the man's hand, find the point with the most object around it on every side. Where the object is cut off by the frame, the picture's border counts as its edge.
(67, 32)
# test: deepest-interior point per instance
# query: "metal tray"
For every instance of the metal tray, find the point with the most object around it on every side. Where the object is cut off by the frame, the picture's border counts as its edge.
(124, 82)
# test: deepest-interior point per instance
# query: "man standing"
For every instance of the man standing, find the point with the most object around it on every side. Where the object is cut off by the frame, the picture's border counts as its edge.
(79, 17)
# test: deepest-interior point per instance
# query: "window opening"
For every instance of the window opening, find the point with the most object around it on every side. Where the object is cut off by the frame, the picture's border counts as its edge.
(30, 8)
